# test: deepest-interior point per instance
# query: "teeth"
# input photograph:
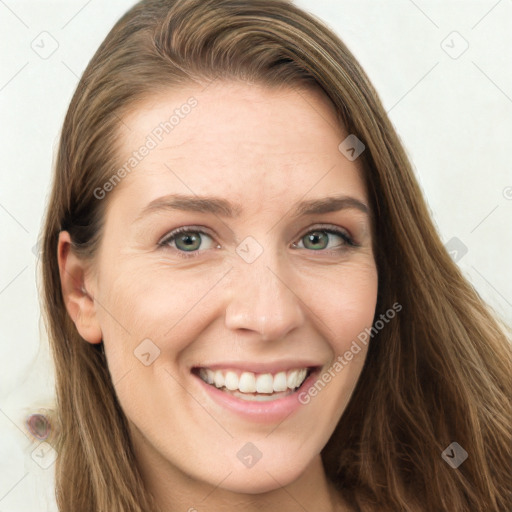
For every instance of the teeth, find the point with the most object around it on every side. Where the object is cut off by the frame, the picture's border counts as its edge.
(255, 397)
(248, 382)
(231, 381)
(219, 379)
(280, 382)
(265, 383)
(291, 380)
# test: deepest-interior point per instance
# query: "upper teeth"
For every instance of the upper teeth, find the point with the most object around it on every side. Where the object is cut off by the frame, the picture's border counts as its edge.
(248, 382)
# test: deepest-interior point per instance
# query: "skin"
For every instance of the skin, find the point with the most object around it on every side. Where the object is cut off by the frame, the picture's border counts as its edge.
(263, 149)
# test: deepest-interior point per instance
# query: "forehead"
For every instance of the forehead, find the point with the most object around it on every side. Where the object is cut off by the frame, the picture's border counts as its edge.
(250, 142)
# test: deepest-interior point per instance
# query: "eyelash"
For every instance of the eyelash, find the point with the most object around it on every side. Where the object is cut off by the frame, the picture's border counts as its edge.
(348, 241)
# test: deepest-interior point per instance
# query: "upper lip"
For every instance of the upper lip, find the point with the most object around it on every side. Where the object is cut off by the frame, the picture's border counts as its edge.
(263, 367)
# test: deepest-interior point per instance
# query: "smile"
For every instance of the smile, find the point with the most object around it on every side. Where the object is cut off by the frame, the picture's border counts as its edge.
(255, 386)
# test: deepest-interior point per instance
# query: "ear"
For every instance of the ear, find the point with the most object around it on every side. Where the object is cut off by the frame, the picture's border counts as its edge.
(79, 302)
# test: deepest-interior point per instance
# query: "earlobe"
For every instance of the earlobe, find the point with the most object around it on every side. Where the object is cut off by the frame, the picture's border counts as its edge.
(78, 300)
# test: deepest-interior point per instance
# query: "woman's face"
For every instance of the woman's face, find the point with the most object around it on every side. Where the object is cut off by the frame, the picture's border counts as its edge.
(272, 278)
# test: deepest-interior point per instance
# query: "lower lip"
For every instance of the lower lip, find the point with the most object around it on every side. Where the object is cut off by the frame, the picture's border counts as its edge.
(262, 412)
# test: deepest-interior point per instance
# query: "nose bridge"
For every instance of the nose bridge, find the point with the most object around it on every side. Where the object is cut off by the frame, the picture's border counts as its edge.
(260, 298)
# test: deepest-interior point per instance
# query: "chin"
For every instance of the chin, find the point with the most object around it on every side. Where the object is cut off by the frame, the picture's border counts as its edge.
(263, 479)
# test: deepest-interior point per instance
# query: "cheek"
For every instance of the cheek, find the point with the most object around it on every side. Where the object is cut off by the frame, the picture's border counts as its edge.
(356, 302)
(345, 302)
(154, 302)
(171, 307)
(344, 305)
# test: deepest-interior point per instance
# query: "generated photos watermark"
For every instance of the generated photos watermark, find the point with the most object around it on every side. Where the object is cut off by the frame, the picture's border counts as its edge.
(341, 361)
(152, 140)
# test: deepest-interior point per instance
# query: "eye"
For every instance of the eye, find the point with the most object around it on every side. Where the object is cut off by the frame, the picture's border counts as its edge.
(325, 238)
(187, 240)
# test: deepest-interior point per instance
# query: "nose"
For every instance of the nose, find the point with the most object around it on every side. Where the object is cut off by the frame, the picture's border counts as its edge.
(263, 299)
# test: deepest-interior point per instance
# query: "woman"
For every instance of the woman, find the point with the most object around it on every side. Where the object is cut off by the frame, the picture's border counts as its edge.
(248, 304)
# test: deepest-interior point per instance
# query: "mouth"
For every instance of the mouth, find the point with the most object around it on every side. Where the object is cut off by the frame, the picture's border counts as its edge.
(255, 387)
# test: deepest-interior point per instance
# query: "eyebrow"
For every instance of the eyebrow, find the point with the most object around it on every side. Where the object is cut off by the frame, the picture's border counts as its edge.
(223, 208)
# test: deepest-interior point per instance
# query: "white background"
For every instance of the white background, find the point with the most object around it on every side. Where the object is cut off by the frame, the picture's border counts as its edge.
(454, 116)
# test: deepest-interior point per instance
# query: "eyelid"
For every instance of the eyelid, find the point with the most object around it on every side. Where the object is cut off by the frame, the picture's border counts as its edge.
(171, 236)
(183, 229)
(330, 228)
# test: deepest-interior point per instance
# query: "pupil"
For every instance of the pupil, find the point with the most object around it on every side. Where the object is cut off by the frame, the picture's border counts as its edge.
(316, 238)
(189, 241)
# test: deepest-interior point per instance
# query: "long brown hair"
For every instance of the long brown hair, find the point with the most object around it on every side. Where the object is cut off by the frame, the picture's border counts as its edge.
(438, 373)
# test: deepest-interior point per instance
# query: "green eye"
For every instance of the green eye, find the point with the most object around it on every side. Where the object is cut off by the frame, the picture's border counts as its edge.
(187, 240)
(316, 240)
(319, 239)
